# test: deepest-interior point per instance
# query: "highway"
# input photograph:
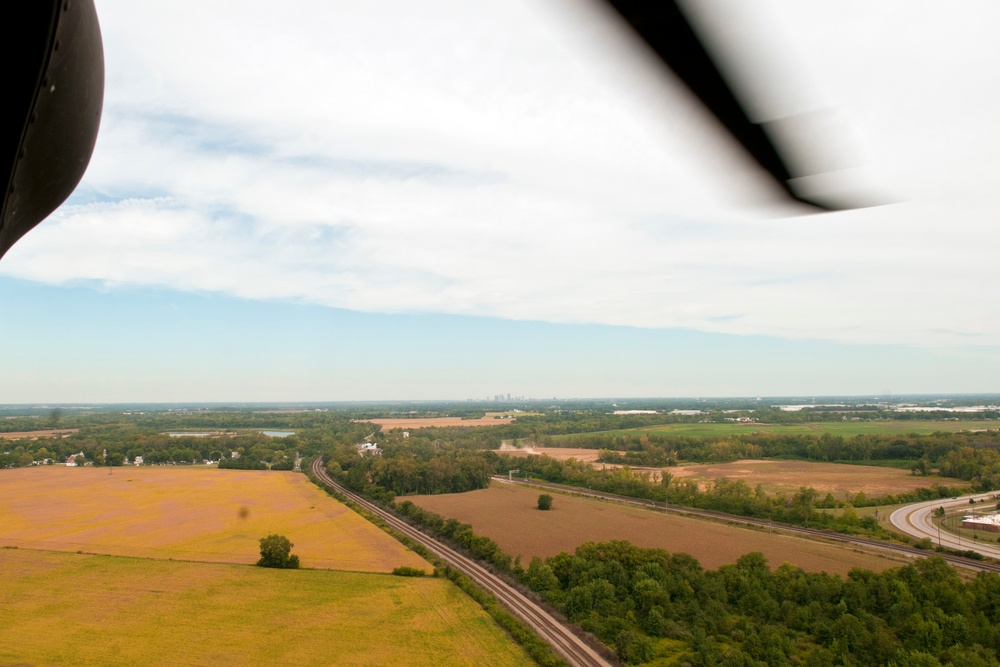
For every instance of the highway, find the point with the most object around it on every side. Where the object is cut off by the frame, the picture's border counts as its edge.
(574, 649)
(916, 520)
(814, 533)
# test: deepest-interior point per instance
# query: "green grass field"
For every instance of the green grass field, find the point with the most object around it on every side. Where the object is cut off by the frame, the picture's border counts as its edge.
(846, 429)
(64, 608)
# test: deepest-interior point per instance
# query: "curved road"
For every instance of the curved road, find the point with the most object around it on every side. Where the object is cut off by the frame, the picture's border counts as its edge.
(902, 549)
(574, 649)
(916, 520)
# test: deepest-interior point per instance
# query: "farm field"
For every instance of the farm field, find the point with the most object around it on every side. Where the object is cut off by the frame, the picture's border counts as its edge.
(491, 419)
(840, 479)
(845, 429)
(557, 453)
(507, 513)
(189, 513)
(17, 435)
(59, 608)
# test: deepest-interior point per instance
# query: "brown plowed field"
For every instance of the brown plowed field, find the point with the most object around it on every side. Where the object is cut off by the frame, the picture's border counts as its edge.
(840, 479)
(16, 435)
(508, 514)
(837, 478)
(557, 453)
(189, 513)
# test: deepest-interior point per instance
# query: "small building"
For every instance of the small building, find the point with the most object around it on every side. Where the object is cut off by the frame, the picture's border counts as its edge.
(989, 523)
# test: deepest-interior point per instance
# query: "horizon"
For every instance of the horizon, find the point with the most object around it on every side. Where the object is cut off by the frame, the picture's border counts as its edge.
(805, 400)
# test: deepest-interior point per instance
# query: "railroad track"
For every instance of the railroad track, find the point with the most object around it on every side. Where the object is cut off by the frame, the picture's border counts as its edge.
(574, 649)
(968, 563)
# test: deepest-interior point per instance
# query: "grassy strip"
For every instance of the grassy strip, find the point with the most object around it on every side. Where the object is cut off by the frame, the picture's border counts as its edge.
(538, 649)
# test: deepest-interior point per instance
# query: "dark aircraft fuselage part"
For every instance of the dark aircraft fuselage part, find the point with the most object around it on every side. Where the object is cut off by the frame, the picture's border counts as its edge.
(54, 95)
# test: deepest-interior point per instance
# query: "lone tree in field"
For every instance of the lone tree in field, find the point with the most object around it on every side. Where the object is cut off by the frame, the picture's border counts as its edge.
(545, 502)
(276, 551)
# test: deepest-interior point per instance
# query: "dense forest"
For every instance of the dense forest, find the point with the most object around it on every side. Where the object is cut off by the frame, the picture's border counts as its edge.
(648, 602)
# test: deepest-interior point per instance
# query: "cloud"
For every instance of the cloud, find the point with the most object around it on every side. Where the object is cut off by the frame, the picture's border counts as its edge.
(451, 158)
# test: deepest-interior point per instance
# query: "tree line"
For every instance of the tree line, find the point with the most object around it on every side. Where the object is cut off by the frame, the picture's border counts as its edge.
(401, 470)
(649, 603)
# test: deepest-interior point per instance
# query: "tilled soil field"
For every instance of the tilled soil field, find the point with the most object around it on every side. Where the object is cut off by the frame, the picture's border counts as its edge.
(508, 514)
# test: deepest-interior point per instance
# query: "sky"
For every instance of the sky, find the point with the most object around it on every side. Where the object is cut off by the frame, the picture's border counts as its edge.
(329, 200)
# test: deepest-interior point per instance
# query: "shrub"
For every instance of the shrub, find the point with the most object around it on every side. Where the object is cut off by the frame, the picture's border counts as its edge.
(545, 502)
(276, 551)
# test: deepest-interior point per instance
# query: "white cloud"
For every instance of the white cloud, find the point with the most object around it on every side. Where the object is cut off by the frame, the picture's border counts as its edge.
(476, 158)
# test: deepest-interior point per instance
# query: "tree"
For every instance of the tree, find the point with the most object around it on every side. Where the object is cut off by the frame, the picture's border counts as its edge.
(276, 551)
(545, 502)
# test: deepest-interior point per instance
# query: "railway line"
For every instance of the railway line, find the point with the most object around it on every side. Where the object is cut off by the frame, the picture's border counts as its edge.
(902, 549)
(566, 643)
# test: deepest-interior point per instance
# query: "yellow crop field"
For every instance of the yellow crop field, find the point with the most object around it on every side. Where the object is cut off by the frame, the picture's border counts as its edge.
(189, 513)
(62, 609)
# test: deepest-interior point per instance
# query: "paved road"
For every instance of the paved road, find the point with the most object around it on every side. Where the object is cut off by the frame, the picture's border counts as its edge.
(916, 520)
(574, 649)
